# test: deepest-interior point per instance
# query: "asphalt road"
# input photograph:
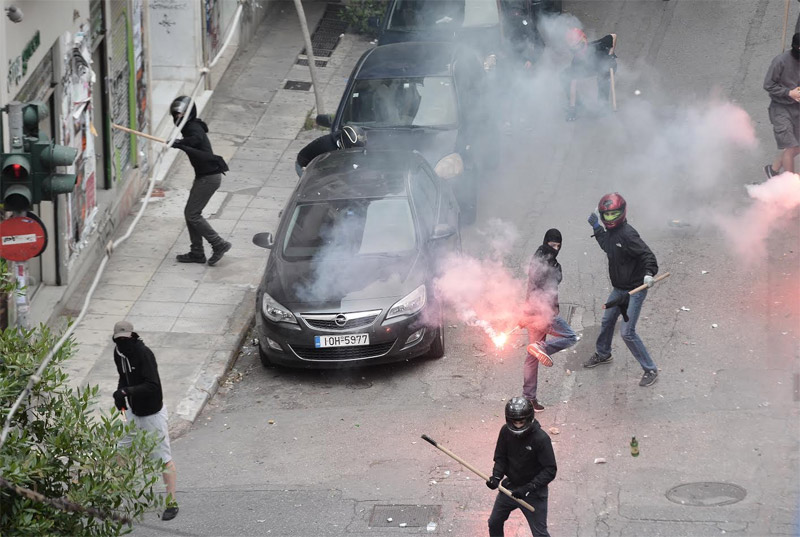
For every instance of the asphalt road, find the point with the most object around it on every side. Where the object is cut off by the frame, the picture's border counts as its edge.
(298, 453)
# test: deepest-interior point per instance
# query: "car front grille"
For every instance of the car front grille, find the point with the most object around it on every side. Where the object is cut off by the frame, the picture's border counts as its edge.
(327, 354)
(331, 325)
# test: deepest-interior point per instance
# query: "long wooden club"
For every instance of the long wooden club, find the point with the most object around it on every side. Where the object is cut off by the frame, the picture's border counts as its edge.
(480, 474)
(139, 133)
(613, 90)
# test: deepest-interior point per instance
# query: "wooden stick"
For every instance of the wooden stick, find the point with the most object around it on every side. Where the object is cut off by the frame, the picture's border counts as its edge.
(480, 474)
(139, 133)
(643, 287)
(613, 90)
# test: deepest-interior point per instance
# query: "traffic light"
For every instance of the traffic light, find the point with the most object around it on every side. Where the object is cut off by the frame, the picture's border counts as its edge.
(45, 156)
(16, 182)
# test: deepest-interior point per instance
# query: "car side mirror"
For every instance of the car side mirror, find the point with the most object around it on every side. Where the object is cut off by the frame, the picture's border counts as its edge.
(374, 22)
(442, 231)
(324, 120)
(264, 240)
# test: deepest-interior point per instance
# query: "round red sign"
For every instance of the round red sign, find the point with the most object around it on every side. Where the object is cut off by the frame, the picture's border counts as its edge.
(22, 237)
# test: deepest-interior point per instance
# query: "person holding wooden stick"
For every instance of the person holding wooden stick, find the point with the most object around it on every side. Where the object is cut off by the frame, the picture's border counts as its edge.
(208, 170)
(631, 263)
(524, 455)
(590, 59)
(782, 83)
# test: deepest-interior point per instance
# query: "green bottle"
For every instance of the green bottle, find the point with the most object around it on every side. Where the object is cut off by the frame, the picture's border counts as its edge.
(634, 447)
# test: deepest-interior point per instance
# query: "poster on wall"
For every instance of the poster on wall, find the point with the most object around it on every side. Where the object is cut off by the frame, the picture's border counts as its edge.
(76, 131)
(141, 79)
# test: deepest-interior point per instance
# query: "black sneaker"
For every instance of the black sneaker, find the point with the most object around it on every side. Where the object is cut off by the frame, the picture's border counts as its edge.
(219, 252)
(770, 172)
(537, 407)
(596, 360)
(170, 512)
(649, 378)
(191, 257)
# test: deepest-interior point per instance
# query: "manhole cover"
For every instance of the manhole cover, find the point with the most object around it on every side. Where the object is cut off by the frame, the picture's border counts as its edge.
(413, 516)
(706, 494)
(297, 85)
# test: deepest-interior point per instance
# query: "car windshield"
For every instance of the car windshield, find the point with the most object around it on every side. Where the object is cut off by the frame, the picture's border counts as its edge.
(349, 228)
(402, 102)
(416, 15)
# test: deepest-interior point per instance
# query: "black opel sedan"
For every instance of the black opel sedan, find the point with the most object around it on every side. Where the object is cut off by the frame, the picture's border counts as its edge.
(350, 272)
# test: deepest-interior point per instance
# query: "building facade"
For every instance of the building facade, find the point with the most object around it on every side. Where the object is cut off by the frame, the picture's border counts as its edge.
(98, 63)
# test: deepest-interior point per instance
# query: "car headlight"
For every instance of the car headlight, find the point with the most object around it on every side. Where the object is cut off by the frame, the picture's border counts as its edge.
(449, 166)
(275, 312)
(490, 62)
(409, 304)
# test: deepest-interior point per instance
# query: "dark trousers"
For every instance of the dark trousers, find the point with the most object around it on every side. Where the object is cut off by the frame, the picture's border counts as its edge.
(503, 505)
(199, 228)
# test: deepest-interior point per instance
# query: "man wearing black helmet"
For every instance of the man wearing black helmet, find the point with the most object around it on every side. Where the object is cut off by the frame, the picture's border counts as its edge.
(208, 170)
(630, 264)
(348, 137)
(524, 456)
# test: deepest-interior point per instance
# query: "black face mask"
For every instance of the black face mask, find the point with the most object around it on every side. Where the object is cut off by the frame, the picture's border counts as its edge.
(796, 53)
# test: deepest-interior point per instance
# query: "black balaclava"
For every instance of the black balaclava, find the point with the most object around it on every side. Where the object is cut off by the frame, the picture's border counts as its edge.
(552, 235)
(796, 46)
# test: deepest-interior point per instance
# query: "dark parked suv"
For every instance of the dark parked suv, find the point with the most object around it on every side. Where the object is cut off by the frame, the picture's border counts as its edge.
(424, 97)
(349, 279)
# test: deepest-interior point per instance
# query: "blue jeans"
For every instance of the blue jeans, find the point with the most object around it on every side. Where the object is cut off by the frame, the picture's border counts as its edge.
(627, 330)
(503, 505)
(563, 337)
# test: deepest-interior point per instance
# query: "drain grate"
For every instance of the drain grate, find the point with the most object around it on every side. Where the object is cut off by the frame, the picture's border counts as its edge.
(326, 35)
(304, 62)
(706, 494)
(297, 85)
(413, 516)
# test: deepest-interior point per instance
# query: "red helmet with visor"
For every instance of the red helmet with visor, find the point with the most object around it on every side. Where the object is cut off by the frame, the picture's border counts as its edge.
(612, 210)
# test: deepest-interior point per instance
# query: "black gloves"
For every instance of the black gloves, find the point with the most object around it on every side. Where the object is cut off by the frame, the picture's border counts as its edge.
(493, 482)
(119, 399)
(178, 144)
(522, 492)
(622, 303)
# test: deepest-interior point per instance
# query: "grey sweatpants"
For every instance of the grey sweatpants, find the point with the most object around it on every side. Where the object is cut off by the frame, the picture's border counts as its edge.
(199, 228)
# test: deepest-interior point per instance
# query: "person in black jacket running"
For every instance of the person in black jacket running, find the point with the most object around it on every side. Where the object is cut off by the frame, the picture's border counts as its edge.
(544, 275)
(630, 264)
(524, 454)
(347, 138)
(208, 170)
(139, 389)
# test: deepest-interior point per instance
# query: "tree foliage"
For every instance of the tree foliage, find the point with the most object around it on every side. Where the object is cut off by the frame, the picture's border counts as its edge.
(62, 448)
(357, 14)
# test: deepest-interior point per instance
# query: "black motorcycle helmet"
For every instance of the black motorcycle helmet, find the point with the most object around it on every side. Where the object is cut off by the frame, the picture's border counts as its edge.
(352, 137)
(519, 409)
(178, 109)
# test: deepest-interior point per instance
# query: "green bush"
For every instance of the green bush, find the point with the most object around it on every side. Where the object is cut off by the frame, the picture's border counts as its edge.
(58, 448)
(358, 12)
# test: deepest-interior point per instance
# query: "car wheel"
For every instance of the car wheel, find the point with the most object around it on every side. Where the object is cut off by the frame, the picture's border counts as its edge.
(437, 347)
(265, 361)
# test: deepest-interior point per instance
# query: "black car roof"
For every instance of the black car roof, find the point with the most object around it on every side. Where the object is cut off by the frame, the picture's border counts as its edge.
(357, 173)
(412, 59)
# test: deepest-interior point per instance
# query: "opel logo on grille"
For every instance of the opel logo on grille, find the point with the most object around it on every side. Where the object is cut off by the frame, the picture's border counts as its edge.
(340, 320)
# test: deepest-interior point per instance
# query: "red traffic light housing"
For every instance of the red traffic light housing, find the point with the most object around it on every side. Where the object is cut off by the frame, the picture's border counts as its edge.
(15, 182)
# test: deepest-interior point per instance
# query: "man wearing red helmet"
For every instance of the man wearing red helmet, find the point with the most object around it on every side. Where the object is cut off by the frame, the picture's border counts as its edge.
(630, 264)
(590, 59)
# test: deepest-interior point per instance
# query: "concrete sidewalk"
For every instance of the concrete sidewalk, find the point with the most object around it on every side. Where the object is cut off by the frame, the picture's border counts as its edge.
(192, 316)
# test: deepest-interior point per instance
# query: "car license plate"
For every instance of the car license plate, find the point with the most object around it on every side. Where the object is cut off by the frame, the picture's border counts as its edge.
(348, 340)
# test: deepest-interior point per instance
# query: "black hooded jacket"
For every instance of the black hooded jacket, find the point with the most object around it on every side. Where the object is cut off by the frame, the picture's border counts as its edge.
(316, 147)
(544, 272)
(197, 146)
(138, 375)
(629, 258)
(527, 459)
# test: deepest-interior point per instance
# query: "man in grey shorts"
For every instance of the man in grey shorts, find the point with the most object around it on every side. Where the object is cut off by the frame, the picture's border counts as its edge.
(139, 389)
(783, 85)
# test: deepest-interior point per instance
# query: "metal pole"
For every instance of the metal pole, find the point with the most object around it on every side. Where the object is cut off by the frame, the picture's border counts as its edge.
(312, 64)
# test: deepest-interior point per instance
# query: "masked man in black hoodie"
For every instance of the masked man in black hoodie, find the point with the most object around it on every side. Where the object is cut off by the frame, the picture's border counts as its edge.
(208, 170)
(524, 454)
(630, 264)
(544, 275)
(139, 389)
